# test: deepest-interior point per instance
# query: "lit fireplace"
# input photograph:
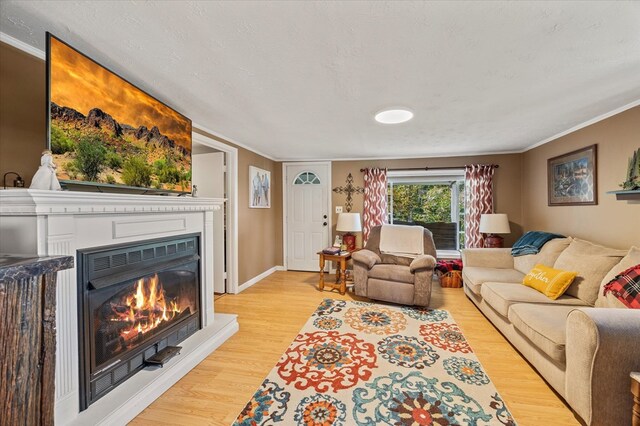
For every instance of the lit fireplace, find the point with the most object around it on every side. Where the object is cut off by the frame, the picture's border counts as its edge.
(136, 301)
(139, 311)
(144, 309)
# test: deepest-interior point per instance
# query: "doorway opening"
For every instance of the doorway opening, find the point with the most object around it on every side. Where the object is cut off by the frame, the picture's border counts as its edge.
(215, 175)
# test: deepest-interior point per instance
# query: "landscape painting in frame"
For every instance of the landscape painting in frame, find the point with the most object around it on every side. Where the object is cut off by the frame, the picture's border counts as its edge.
(572, 178)
(105, 131)
(259, 188)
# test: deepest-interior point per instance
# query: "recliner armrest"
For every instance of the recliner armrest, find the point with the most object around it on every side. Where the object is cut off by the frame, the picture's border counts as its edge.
(422, 262)
(367, 257)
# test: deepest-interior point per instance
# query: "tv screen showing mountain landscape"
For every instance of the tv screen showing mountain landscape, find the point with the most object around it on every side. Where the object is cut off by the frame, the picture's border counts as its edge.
(104, 130)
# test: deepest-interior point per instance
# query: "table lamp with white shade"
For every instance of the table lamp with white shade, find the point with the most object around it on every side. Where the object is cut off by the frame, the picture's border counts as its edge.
(493, 224)
(349, 222)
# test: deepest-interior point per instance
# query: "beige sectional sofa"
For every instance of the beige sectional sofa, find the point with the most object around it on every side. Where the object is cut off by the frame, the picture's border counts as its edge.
(583, 344)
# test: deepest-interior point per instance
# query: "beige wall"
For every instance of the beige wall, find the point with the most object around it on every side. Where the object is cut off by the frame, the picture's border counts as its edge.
(23, 138)
(610, 222)
(507, 180)
(22, 113)
(259, 230)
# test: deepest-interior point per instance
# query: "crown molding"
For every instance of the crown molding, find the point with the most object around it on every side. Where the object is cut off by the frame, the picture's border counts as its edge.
(472, 154)
(21, 45)
(584, 124)
(410, 157)
(478, 153)
(224, 138)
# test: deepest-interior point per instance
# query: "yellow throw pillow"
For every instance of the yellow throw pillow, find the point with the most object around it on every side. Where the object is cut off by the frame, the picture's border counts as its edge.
(548, 281)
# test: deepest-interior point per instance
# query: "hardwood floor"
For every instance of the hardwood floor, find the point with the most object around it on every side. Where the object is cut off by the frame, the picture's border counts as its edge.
(273, 311)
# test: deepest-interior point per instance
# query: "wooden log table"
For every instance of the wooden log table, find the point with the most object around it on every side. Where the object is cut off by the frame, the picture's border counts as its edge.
(28, 337)
(341, 270)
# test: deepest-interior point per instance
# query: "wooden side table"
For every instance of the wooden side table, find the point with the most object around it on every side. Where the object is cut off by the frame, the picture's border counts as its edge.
(635, 390)
(341, 275)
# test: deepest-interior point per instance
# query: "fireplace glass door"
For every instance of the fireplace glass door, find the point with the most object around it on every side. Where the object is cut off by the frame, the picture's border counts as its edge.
(138, 310)
(135, 300)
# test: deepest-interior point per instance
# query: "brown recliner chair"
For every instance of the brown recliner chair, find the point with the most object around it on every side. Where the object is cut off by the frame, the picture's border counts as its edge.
(391, 278)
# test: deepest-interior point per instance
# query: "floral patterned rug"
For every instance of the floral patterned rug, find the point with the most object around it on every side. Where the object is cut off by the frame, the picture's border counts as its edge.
(359, 363)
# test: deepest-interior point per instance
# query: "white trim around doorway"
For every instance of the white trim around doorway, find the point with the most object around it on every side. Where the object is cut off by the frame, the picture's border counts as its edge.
(231, 206)
(284, 203)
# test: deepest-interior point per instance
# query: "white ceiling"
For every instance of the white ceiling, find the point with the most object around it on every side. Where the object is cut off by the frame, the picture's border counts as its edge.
(302, 80)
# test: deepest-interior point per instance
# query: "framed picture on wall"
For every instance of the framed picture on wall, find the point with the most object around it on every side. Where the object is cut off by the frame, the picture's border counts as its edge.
(572, 178)
(259, 188)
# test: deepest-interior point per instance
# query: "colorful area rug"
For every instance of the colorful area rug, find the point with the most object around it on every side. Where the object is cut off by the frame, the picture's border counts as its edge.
(358, 363)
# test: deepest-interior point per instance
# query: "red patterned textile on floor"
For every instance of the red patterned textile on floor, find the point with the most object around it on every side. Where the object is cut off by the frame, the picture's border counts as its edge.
(445, 266)
(375, 200)
(479, 200)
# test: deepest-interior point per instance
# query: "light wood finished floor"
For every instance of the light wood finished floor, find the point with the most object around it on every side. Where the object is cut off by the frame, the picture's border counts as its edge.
(270, 315)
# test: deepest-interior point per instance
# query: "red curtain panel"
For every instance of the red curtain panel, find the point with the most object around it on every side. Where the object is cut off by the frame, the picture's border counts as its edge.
(478, 200)
(375, 200)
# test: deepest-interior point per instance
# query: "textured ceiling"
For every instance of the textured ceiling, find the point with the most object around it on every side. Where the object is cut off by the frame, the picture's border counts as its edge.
(302, 80)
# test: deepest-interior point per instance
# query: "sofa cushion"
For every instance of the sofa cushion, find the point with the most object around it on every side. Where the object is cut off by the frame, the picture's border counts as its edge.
(609, 300)
(475, 276)
(545, 327)
(500, 296)
(592, 262)
(547, 256)
(392, 273)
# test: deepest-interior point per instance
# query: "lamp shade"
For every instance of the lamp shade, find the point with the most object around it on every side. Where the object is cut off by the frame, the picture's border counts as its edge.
(495, 223)
(349, 222)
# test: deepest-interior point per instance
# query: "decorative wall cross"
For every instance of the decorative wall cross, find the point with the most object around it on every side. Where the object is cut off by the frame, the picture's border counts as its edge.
(349, 189)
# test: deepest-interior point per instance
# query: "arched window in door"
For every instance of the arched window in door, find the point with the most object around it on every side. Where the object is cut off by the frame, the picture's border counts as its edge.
(306, 178)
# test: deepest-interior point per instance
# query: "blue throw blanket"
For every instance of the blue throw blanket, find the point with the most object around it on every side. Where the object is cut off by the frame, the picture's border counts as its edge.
(532, 242)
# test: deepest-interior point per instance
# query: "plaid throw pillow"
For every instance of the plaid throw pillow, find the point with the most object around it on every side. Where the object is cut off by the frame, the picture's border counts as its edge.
(626, 287)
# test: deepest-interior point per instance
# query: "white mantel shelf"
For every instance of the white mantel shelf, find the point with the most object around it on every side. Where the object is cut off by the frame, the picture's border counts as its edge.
(42, 202)
(61, 223)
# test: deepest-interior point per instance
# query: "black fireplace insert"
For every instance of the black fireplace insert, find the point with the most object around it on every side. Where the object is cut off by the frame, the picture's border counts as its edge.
(134, 300)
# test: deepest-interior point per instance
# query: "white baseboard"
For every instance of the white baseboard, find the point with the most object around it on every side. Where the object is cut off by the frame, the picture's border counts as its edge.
(259, 277)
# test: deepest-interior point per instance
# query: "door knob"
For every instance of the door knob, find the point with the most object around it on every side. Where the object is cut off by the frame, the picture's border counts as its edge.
(324, 217)
(324, 224)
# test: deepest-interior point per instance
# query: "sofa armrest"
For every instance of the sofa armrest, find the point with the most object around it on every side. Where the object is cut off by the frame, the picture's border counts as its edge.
(488, 257)
(602, 348)
(422, 262)
(366, 257)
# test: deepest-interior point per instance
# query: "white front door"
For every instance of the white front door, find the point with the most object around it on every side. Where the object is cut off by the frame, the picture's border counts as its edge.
(307, 213)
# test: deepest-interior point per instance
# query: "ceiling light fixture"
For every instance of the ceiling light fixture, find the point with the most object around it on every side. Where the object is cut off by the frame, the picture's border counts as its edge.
(393, 116)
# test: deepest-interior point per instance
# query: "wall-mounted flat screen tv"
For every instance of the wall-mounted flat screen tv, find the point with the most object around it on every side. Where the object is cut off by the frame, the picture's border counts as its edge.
(105, 131)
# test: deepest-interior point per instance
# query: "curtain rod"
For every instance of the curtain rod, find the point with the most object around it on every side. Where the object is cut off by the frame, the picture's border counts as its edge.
(495, 166)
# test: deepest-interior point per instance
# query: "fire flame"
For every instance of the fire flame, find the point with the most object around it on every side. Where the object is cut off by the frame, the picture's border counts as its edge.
(145, 309)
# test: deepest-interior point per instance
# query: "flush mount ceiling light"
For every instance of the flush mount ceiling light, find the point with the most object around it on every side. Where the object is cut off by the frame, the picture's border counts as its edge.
(394, 116)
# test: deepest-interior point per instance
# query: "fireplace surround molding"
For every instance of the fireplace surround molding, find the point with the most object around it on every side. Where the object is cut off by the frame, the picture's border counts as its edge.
(60, 223)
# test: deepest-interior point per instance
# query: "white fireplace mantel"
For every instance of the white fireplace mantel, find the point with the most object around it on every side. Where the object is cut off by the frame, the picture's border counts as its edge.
(62, 222)
(41, 202)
